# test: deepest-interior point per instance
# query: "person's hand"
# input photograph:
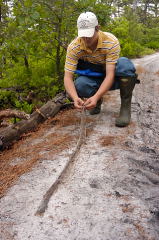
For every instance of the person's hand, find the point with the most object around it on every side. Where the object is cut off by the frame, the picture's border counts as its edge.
(91, 103)
(78, 103)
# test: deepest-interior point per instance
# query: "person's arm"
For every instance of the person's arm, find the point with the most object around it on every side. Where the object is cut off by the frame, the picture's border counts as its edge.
(105, 86)
(71, 90)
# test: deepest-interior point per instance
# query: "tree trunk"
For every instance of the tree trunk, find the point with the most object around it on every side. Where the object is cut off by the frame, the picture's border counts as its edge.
(26, 62)
(134, 5)
(0, 13)
(156, 9)
(146, 6)
(58, 55)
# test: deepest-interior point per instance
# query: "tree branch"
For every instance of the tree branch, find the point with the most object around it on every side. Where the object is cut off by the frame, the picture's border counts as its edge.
(9, 113)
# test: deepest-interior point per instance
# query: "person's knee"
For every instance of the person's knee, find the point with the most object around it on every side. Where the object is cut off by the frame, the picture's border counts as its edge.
(80, 84)
(84, 87)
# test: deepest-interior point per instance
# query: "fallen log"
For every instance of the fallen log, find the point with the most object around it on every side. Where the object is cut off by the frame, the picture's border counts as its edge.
(15, 131)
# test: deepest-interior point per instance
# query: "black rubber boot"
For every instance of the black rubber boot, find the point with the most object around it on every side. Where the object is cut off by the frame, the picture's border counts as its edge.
(97, 109)
(126, 88)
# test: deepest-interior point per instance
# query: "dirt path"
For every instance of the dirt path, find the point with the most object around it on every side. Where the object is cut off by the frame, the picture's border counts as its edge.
(112, 189)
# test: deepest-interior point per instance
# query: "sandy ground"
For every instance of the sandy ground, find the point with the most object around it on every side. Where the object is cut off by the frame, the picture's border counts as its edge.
(112, 189)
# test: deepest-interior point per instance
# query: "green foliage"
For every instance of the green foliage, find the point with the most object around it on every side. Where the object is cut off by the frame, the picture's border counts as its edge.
(24, 106)
(151, 39)
(7, 98)
(153, 44)
(33, 37)
(131, 36)
(100, 8)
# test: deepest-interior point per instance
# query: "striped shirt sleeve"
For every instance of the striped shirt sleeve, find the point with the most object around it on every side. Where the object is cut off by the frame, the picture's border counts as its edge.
(113, 53)
(71, 60)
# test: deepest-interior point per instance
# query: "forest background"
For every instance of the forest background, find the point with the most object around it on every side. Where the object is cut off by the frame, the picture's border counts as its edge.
(34, 35)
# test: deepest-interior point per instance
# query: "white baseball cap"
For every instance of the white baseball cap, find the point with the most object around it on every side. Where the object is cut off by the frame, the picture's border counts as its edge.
(86, 24)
